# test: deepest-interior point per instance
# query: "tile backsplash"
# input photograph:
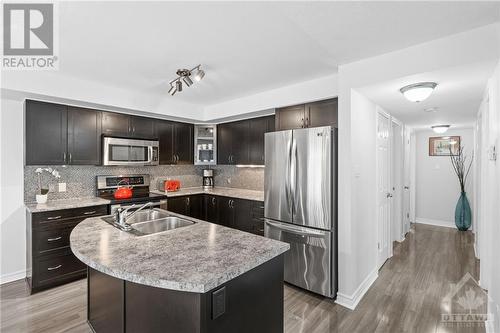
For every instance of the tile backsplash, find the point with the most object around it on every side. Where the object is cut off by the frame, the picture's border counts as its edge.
(81, 180)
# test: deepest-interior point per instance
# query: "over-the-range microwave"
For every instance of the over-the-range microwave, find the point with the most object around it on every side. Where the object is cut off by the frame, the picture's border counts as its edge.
(124, 151)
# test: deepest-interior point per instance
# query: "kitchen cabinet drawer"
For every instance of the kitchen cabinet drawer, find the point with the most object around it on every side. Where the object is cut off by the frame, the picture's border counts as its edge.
(58, 218)
(58, 267)
(49, 240)
(49, 259)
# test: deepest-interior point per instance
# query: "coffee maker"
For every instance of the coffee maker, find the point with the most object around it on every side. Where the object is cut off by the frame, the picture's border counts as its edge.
(208, 178)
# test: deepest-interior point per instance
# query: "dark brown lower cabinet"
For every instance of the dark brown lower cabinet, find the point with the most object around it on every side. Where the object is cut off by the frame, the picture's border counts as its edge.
(49, 259)
(190, 205)
(253, 303)
(244, 215)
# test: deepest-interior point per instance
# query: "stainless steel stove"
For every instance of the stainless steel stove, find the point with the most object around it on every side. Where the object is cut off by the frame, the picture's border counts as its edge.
(107, 185)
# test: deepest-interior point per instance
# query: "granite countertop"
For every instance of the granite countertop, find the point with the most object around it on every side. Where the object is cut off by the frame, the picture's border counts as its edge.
(220, 191)
(195, 258)
(65, 204)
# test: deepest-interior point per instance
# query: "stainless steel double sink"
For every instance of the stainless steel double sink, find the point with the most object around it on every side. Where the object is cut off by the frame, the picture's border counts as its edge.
(151, 221)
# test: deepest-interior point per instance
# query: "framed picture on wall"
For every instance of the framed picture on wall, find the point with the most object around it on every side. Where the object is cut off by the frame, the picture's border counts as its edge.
(440, 145)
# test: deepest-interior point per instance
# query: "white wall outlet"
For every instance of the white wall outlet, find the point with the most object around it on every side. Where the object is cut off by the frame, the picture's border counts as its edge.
(62, 187)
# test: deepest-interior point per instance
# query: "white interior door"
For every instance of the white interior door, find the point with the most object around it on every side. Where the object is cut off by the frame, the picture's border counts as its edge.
(406, 181)
(383, 183)
(397, 182)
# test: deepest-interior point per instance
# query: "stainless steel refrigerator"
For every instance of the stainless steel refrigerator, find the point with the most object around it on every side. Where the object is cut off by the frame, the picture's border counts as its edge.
(301, 204)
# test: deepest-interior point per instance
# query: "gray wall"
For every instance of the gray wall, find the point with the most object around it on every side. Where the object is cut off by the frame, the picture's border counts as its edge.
(80, 180)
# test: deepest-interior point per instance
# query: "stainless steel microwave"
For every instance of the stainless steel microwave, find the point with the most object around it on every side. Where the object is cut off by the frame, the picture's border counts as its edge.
(121, 151)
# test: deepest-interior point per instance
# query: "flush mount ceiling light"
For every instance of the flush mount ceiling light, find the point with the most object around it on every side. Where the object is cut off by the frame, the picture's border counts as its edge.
(184, 75)
(440, 129)
(418, 92)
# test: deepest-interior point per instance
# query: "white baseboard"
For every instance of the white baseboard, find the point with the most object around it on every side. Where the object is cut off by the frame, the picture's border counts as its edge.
(352, 301)
(439, 223)
(9, 277)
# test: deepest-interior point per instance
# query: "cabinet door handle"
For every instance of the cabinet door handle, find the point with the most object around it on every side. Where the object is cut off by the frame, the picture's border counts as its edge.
(307, 122)
(70, 158)
(64, 157)
(53, 239)
(213, 201)
(54, 268)
(89, 213)
(54, 217)
(229, 203)
(302, 122)
(187, 201)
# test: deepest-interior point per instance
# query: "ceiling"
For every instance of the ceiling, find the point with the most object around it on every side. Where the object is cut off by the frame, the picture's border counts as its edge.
(457, 96)
(244, 47)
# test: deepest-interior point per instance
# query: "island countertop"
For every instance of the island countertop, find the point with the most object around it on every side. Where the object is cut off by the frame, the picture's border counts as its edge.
(195, 258)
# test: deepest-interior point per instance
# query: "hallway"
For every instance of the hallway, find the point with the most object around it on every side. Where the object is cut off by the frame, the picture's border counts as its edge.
(406, 297)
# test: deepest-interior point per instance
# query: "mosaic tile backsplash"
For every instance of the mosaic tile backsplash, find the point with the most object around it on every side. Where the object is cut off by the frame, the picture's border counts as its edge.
(80, 180)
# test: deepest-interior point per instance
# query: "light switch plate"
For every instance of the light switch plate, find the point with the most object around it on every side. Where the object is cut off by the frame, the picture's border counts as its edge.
(62, 187)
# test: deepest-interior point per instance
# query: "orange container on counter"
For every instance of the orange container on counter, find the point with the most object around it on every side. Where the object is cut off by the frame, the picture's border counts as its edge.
(172, 185)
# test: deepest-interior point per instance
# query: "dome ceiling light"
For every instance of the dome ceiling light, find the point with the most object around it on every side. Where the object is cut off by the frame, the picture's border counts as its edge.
(418, 92)
(440, 129)
(184, 76)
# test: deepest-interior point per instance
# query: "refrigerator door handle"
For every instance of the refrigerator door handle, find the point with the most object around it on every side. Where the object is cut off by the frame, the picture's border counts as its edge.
(288, 185)
(293, 174)
(296, 230)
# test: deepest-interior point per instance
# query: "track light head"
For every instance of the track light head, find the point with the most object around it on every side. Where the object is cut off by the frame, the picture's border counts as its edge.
(199, 74)
(187, 80)
(178, 85)
(172, 90)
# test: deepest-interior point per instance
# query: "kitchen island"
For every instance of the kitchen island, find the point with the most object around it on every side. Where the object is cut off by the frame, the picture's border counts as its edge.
(198, 278)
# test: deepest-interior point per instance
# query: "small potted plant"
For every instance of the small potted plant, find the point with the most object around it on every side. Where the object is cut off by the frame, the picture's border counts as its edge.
(41, 196)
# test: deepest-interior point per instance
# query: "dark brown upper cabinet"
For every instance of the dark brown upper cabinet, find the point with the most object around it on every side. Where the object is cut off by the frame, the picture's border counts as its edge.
(84, 136)
(115, 124)
(322, 113)
(58, 134)
(46, 133)
(184, 143)
(290, 117)
(258, 128)
(123, 125)
(242, 142)
(176, 142)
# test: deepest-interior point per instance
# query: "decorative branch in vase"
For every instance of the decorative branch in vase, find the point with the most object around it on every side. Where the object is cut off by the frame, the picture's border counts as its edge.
(41, 196)
(462, 167)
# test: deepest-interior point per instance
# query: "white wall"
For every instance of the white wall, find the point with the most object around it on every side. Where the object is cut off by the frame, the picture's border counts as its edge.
(437, 186)
(357, 241)
(488, 229)
(13, 225)
(308, 91)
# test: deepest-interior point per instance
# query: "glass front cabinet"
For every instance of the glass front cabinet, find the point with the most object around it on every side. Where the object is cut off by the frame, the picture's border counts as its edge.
(205, 144)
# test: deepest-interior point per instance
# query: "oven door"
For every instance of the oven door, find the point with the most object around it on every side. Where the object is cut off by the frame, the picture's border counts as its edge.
(309, 262)
(119, 151)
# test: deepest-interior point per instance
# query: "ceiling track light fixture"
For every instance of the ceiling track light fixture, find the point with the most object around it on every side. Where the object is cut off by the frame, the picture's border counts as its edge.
(440, 129)
(418, 92)
(184, 76)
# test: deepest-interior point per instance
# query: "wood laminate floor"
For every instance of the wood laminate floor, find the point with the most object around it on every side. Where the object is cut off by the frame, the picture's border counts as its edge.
(407, 296)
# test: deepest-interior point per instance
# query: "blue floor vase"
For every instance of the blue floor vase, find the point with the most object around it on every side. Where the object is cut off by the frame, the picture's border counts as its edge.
(463, 217)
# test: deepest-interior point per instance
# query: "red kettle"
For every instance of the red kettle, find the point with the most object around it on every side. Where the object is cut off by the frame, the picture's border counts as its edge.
(123, 192)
